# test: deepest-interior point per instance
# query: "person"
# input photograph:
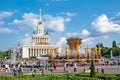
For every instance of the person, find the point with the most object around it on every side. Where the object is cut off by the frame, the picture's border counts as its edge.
(14, 71)
(75, 67)
(46, 65)
(39, 62)
(32, 70)
(54, 65)
(7, 67)
(102, 70)
(20, 70)
(118, 64)
(65, 65)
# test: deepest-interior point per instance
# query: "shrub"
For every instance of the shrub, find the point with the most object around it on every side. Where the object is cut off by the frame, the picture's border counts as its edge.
(92, 69)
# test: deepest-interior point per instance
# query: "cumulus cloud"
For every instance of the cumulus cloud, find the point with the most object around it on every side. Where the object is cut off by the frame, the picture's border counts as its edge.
(85, 33)
(62, 41)
(116, 18)
(55, 23)
(5, 14)
(29, 19)
(51, 23)
(26, 40)
(103, 25)
(7, 30)
(90, 40)
(74, 34)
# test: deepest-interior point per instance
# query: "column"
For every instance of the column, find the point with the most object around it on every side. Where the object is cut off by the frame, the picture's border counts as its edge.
(29, 53)
(37, 52)
(34, 52)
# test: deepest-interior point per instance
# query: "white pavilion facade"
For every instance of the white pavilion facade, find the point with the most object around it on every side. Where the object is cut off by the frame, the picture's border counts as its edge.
(40, 47)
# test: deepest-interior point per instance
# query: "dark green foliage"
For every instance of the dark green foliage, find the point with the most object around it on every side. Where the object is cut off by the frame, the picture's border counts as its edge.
(71, 76)
(115, 51)
(5, 55)
(92, 69)
(114, 44)
(33, 57)
(105, 51)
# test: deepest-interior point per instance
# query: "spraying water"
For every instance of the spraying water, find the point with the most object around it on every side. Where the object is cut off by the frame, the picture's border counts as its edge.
(13, 56)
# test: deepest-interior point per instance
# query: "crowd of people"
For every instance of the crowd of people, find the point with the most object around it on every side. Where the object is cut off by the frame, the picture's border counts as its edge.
(17, 69)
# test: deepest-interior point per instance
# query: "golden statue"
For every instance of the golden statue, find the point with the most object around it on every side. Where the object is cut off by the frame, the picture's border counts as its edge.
(67, 50)
(78, 49)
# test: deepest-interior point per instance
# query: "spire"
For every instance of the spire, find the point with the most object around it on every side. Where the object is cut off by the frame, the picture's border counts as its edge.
(40, 21)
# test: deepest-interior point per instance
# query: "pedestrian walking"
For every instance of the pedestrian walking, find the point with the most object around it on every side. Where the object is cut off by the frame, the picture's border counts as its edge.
(65, 66)
(54, 65)
(75, 67)
(14, 72)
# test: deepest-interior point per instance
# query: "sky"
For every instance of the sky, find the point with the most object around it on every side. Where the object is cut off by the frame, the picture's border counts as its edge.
(95, 21)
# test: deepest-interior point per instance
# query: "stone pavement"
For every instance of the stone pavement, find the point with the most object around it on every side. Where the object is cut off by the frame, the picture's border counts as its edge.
(60, 70)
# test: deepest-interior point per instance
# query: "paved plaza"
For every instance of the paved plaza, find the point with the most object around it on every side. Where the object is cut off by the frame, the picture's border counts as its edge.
(60, 70)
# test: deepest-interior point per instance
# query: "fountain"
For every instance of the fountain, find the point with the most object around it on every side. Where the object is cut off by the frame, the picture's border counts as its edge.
(13, 56)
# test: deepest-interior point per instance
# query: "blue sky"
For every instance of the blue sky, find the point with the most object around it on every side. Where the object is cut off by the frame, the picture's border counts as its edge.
(95, 21)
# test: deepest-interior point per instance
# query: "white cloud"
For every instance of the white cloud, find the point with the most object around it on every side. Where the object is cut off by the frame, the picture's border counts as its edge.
(52, 23)
(7, 30)
(5, 14)
(74, 34)
(55, 23)
(62, 41)
(70, 14)
(90, 40)
(29, 19)
(116, 18)
(85, 33)
(26, 40)
(103, 25)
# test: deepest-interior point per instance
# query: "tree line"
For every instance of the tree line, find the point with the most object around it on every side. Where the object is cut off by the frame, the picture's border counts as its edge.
(106, 51)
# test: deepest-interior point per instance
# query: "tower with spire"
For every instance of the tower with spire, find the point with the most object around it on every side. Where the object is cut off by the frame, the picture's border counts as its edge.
(40, 28)
(40, 38)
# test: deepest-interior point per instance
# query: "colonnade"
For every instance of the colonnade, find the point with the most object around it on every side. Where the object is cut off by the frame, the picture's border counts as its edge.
(42, 52)
(41, 40)
(44, 40)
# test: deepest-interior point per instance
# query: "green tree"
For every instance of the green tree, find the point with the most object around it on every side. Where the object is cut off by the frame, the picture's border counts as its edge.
(115, 51)
(100, 45)
(92, 69)
(114, 44)
(5, 54)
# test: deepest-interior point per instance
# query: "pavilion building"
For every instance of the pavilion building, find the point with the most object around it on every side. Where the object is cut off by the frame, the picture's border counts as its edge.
(40, 47)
